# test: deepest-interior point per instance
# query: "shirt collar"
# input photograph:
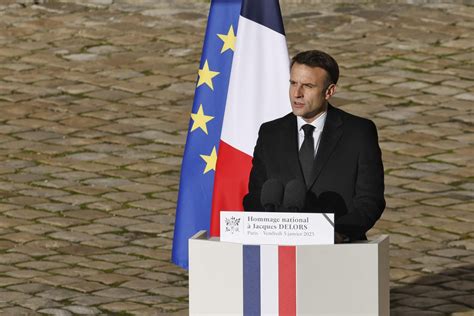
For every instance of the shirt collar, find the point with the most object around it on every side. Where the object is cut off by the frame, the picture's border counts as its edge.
(317, 123)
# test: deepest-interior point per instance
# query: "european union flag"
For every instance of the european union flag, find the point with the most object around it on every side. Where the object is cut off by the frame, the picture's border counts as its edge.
(193, 211)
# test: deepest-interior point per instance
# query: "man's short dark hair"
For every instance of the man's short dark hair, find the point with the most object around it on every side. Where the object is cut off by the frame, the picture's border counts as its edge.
(317, 58)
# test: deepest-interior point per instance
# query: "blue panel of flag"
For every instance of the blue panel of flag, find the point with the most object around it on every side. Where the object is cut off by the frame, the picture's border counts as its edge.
(264, 12)
(251, 275)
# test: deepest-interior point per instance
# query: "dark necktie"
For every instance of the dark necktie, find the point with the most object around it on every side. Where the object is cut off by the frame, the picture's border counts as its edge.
(307, 152)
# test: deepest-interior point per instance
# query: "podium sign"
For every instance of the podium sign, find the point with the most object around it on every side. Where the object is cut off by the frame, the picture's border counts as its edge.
(271, 228)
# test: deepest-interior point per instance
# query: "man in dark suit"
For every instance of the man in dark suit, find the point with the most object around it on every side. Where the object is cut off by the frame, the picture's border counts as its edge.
(335, 153)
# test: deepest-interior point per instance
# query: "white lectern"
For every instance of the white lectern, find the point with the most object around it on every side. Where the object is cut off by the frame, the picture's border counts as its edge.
(341, 279)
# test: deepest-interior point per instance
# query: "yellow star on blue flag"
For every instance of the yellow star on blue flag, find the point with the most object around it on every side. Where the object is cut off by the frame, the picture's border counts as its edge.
(228, 39)
(206, 75)
(210, 161)
(200, 120)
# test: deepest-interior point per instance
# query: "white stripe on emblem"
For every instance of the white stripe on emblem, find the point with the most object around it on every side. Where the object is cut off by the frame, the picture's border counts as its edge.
(269, 279)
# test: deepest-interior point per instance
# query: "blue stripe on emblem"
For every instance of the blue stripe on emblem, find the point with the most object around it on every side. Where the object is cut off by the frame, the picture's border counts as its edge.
(264, 12)
(251, 266)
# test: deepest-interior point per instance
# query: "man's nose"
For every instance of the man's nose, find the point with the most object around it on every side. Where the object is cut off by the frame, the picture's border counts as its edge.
(298, 91)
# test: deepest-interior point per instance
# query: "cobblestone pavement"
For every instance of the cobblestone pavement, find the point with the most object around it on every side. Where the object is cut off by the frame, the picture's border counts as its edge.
(94, 107)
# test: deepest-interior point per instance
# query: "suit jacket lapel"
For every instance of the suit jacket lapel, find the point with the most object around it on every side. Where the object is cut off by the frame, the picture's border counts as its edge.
(289, 139)
(331, 134)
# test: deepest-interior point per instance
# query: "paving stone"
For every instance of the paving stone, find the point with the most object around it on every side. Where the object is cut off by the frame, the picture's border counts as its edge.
(121, 73)
(60, 221)
(108, 182)
(85, 286)
(442, 236)
(467, 300)
(56, 312)
(83, 310)
(10, 222)
(71, 236)
(465, 96)
(161, 137)
(99, 265)
(129, 271)
(104, 206)
(8, 281)
(42, 266)
(59, 294)
(110, 278)
(33, 251)
(17, 311)
(69, 259)
(430, 166)
(151, 242)
(440, 178)
(94, 229)
(460, 285)
(24, 274)
(13, 258)
(76, 199)
(103, 244)
(141, 188)
(414, 312)
(12, 296)
(440, 201)
(133, 87)
(152, 204)
(118, 293)
(140, 285)
(35, 303)
(81, 57)
(162, 277)
(114, 257)
(109, 95)
(122, 306)
(124, 196)
(87, 156)
(467, 244)
(149, 228)
(427, 186)
(174, 292)
(27, 214)
(90, 300)
(85, 214)
(151, 299)
(21, 237)
(449, 308)
(88, 190)
(78, 88)
(175, 307)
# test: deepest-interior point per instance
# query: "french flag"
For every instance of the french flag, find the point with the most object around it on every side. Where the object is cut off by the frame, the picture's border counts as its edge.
(257, 93)
(269, 280)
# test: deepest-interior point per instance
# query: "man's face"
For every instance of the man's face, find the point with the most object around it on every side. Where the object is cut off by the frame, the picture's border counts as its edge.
(309, 92)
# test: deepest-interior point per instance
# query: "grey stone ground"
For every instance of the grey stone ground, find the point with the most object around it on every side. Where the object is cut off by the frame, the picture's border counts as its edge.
(94, 109)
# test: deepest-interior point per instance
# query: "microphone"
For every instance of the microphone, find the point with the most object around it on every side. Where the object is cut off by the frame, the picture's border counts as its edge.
(271, 195)
(295, 195)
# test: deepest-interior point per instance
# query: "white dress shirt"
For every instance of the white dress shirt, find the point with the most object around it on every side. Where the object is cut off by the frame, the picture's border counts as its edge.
(318, 129)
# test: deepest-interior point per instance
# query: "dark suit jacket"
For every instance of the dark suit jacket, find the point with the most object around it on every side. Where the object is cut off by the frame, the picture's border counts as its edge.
(347, 175)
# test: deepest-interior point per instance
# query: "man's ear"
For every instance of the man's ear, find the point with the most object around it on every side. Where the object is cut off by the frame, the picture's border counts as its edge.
(330, 91)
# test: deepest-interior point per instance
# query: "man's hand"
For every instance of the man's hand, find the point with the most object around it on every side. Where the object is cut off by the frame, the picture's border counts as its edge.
(340, 238)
